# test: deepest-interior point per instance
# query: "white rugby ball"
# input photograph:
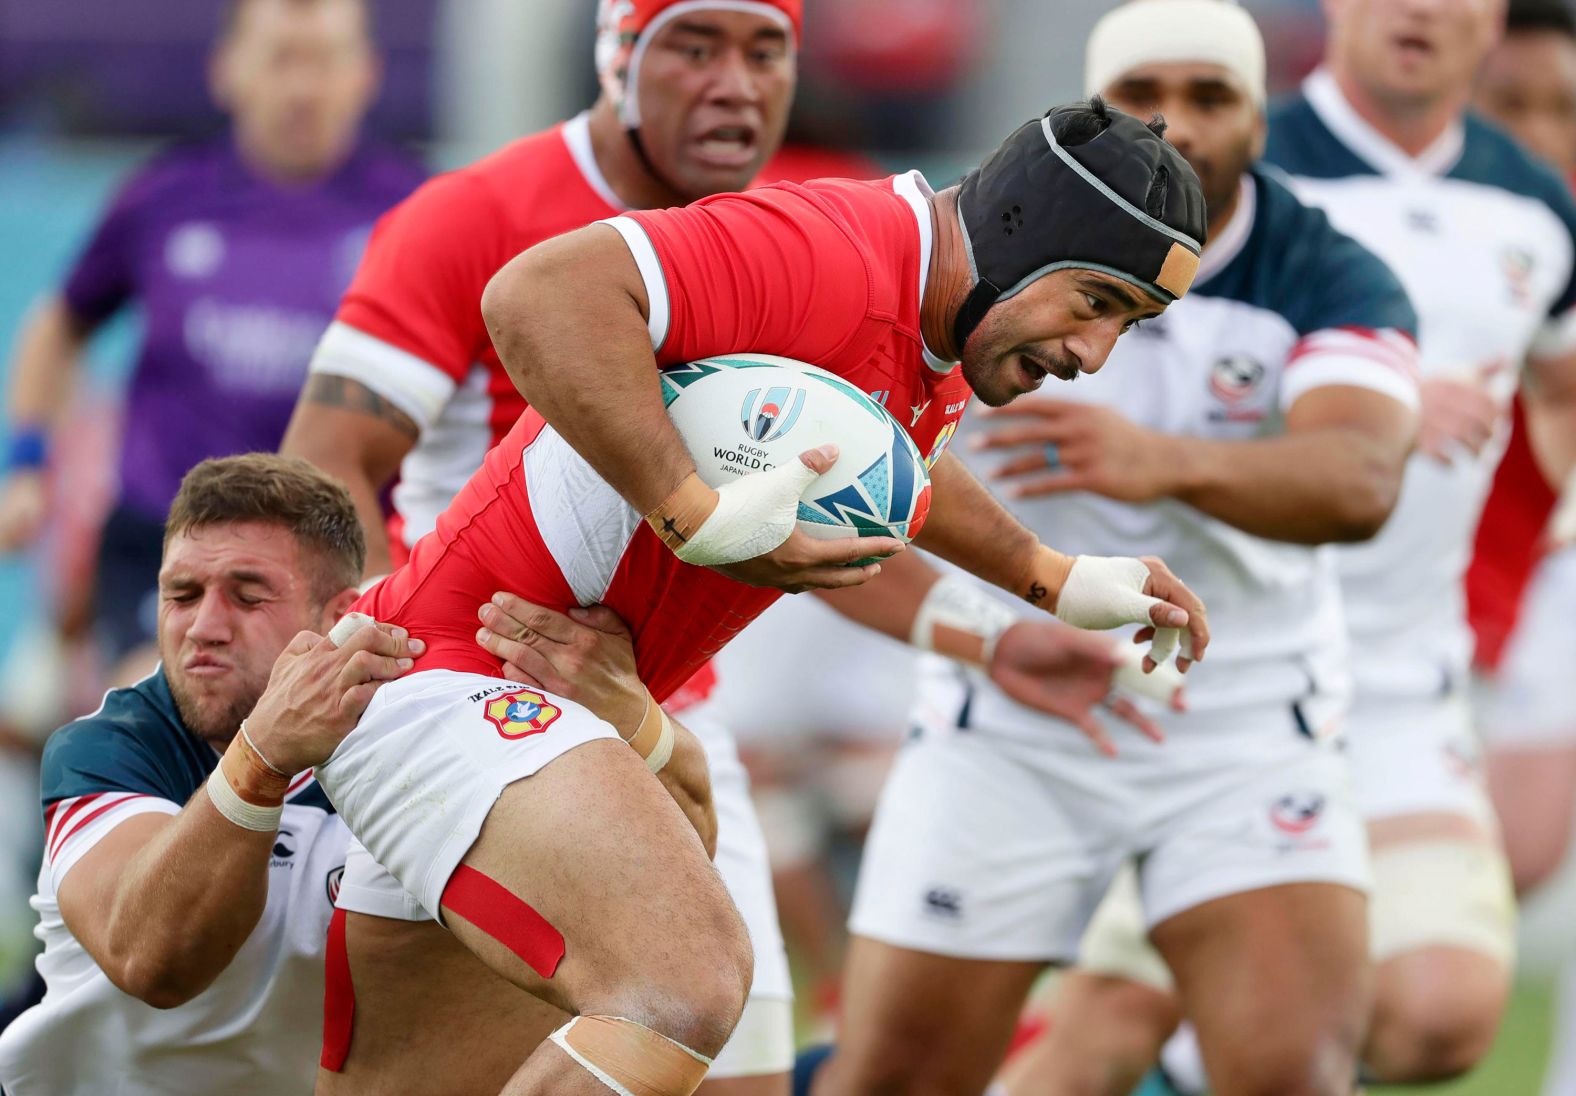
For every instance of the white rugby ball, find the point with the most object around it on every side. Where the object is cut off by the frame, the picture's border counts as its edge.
(745, 413)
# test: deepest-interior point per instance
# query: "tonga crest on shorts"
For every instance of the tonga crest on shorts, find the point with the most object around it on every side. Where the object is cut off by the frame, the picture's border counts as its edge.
(521, 713)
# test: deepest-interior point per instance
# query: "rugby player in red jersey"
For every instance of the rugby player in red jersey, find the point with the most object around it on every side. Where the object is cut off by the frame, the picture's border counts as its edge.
(517, 816)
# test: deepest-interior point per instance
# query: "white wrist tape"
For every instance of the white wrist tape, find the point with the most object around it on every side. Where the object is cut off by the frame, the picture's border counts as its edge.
(1562, 527)
(663, 752)
(1161, 684)
(347, 626)
(754, 515)
(237, 810)
(1105, 592)
(961, 621)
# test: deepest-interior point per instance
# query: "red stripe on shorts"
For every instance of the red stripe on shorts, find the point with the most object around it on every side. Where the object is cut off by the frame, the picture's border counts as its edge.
(494, 909)
(339, 997)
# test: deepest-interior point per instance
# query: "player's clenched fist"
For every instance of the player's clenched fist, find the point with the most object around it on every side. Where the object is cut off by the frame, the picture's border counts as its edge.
(317, 691)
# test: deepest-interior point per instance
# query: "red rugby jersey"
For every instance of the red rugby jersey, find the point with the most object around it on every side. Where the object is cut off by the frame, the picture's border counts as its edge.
(831, 273)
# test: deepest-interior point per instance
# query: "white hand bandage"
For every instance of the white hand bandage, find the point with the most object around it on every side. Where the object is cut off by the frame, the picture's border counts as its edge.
(347, 626)
(1105, 592)
(754, 515)
(1160, 684)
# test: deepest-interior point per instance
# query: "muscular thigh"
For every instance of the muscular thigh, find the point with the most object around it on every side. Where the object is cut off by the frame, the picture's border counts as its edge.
(430, 1018)
(1275, 980)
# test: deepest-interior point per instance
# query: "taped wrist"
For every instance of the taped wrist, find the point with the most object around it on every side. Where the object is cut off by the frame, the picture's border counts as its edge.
(1043, 579)
(630, 1058)
(679, 516)
(1105, 592)
(739, 520)
(961, 621)
(653, 739)
(246, 789)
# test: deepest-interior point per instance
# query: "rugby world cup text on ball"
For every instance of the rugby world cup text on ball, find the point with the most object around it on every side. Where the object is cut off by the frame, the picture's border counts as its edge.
(742, 459)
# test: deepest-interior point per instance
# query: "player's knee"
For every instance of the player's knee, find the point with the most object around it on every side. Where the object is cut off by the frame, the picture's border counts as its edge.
(695, 1001)
(1321, 1064)
(1419, 1038)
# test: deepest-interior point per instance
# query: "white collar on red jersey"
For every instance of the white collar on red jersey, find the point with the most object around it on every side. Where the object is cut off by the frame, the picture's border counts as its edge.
(912, 187)
(577, 135)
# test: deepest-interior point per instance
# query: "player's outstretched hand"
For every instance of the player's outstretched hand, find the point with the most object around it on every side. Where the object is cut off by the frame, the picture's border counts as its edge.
(317, 691)
(586, 655)
(1169, 633)
(1061, 445)
(804, 563)
(1457, 415)
(1067, 673)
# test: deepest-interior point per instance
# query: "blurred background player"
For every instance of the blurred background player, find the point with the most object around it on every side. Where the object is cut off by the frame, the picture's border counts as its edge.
(1481, 235)
(1267, 413)
(236, 250)
(406, 384)
(1522, 582)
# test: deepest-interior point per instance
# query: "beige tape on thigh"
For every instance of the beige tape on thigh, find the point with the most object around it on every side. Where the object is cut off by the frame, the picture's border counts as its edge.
(1442, 894)
(630, 1059)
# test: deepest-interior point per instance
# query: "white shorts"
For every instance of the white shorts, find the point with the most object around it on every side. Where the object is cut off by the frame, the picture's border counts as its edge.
(1417, 757)
(992, 847)
(763, 1042)
(1531, 703)
(801, 671)
(417, 777)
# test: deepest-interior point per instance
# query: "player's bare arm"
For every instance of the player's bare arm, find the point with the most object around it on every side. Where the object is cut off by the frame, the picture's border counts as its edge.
(1334, 475)
(588, 656)
(43, 371)
(163, 902)
(360, 436)
(968, 527)
(568, 319)
(1062, 671)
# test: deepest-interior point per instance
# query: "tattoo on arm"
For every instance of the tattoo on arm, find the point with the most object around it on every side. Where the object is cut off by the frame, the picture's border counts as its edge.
(328, 390)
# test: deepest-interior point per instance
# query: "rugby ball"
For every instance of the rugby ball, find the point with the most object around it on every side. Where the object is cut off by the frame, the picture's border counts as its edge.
(746, 413)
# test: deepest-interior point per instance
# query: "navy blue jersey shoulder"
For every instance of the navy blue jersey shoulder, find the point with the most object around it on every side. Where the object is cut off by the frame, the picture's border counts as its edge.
(1296, 264)
(135, 742)
(1491, 157)
(1299, 143)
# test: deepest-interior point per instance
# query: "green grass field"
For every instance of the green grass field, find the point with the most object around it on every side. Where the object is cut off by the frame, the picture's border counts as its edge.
(1515, 1068)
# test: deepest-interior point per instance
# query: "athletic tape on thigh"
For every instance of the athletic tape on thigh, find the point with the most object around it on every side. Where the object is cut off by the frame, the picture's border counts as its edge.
(339, 997)
(491, 907)
(631, 1059)
(1442, 894)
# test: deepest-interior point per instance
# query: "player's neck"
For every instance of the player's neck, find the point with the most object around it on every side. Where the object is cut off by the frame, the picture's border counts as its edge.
(947, 281)
(1411, 127)
(622, 166)
(1221, 213)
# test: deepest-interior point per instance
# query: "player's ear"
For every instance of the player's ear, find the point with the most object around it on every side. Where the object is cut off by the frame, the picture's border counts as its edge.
(221, 75)
(337, 606)
(1260, 132)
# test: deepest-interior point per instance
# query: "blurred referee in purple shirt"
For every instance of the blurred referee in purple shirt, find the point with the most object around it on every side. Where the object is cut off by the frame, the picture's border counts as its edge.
(237, 251)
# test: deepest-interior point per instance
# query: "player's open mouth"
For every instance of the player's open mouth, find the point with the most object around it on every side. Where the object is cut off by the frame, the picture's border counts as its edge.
(1032, 375)
(727, 146)
(1411, 45)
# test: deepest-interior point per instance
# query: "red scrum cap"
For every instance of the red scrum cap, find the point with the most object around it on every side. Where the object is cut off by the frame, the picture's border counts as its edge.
(625, 27)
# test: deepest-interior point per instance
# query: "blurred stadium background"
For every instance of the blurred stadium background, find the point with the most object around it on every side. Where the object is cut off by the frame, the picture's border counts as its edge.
(89, 88)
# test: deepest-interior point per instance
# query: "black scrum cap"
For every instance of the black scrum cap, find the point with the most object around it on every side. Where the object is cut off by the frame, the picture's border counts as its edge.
(1124, 202)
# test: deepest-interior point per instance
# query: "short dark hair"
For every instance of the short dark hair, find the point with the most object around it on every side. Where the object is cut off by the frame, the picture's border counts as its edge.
(230, 14)
(286, 491)
(1527, 16)
(1081, 122)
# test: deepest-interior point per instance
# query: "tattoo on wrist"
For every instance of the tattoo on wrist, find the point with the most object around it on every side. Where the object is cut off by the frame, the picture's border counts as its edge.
(1037, 593)
(330, 390)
